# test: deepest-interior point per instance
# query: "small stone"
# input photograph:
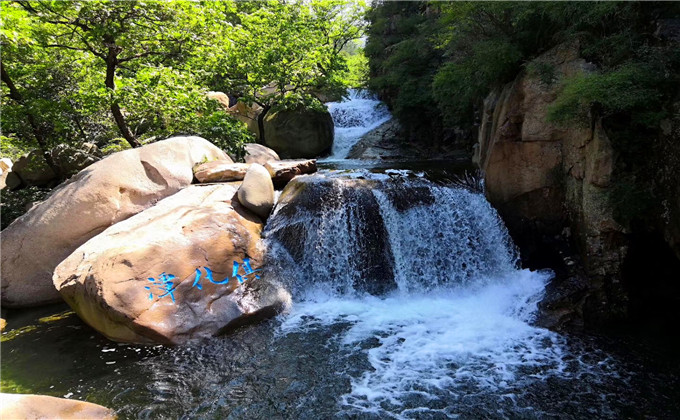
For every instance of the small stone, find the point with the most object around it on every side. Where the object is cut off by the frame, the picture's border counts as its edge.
(257, 191)
(220, 171)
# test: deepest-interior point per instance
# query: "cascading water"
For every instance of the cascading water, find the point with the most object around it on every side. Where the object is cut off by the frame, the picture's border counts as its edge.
(453, 311)
(354, 116)
(408, 303)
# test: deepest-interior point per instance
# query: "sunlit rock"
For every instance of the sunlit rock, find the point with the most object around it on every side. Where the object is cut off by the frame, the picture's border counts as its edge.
(257, 153)
(256, 193)
(28, 406)
(137, 281)
(102, 194)
(220, 171)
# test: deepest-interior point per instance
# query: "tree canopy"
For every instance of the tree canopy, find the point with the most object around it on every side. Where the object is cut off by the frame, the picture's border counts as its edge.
(440, 59)
(124, 73)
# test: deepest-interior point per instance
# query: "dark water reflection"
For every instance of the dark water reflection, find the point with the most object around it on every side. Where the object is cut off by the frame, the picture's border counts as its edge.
(260, 374)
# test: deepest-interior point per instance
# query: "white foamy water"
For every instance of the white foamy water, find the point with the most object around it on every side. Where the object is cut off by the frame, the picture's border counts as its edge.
(356, 115)
(457, 320)
(440, 344)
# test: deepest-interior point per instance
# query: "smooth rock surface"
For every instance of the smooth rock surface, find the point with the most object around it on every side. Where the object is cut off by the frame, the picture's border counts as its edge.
(256, 193)
(99, 196)
(283, 171)
(220, 171)
(299, 134)
(257, 153)
(5, 168)
(201, 226)
(29, 406)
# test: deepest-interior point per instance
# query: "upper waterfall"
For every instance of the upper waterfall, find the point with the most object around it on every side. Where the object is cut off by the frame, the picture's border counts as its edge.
(358, 113)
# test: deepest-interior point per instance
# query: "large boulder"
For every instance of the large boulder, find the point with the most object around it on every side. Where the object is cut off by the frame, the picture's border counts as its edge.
(104, 193)
(137, 281)
(299, 133)
(257, 191)
(28, 406)
(257, 153)
(545, 178)
(31, 169)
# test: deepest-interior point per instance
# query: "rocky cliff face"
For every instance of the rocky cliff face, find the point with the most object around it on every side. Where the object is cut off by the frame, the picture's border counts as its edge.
(553, 182)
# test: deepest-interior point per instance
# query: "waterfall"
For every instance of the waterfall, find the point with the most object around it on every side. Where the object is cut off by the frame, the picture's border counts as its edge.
(423, 277)
(354, 116)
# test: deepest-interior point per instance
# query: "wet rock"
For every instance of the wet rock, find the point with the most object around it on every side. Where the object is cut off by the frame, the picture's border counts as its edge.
(282, 171)
(256, 193)
(383, 142)
(220, 171)
(306, 200)
(29, 406)
(105, 280)
(299, 133)
(102, 194)
(257, 153)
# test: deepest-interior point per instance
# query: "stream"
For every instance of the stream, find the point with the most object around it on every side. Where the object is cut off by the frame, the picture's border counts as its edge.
(409, 303)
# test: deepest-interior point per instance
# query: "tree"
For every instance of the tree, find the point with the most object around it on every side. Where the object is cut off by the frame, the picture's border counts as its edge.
(125, 35)
(280, 54)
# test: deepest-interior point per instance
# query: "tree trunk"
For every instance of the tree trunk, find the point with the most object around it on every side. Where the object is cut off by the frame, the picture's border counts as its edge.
(111, 64)
(15, 95)
(260, 122)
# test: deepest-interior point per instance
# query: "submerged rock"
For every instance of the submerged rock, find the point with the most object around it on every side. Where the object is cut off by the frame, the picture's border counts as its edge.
(29, 406)
(99, 196)
(362, 242)
(137, 281)
(257, 191)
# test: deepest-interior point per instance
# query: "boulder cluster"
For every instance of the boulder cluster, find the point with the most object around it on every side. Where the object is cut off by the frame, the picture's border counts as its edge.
(159, 244)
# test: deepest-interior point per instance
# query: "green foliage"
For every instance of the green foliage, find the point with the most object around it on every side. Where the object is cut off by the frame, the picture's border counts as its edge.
(357, 69)
(545, 72)
(437, 60)
(631, 87)
(14, 203)
(74, 64)
(116, 145)
(469, 78)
